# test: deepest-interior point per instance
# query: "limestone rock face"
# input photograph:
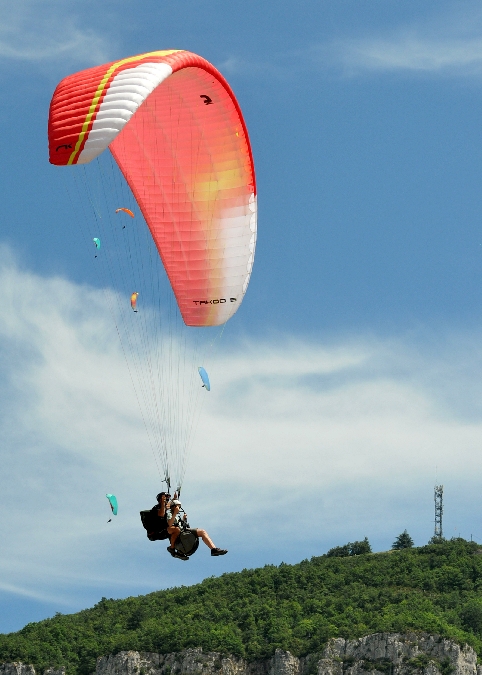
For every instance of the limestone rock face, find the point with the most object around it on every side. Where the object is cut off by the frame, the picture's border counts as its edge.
(394, 654)
(188, 662)
(377, 654)
(16, 669)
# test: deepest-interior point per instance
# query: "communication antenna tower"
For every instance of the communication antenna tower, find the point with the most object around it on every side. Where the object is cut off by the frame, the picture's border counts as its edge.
(439, 509)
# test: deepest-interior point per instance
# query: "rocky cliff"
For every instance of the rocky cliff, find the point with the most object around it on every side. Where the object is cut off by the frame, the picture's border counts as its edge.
(378, 654)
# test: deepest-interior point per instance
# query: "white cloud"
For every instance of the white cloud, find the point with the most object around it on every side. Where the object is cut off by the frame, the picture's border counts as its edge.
(411, 51)
(445, 42)
(275, 66)
(45, 30)
(353, 429)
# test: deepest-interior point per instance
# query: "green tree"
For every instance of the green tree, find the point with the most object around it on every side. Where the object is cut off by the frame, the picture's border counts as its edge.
(403, 540)
(339, 551)
(471, 616)
(360, 547)
(352, 548)
(436, 540)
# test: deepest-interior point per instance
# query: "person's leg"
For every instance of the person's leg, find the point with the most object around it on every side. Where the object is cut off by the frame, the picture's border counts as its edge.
(205, 537)
(215, 551)
(174, 532)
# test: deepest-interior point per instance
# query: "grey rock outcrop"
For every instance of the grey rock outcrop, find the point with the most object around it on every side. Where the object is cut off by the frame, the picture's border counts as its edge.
(16, 669)
(188, 662)
(394, 654)
(377, 654)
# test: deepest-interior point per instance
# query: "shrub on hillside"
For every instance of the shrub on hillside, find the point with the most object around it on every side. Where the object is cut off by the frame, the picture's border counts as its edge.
(403, 540)
(352, 548)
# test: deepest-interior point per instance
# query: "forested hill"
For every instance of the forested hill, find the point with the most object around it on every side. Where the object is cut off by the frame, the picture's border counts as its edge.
(435, 588)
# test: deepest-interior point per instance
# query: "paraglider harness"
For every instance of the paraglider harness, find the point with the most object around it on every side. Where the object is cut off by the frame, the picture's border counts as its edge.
(156, 526)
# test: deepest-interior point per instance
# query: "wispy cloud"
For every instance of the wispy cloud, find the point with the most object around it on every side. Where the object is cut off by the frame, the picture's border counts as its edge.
(41, 30)
(341, 437)
(274, 66)
(412, 52)
(406, 50)
(33, 594)
(444, 43)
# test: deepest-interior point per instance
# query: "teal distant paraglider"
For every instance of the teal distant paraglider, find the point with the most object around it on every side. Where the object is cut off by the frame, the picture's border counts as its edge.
(113, 503)
(204, 378)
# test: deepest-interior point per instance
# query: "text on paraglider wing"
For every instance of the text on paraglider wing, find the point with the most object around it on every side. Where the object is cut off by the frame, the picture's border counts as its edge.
(220, 301)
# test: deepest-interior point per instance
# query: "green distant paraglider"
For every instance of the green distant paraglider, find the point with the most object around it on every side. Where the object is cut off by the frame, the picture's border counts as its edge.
(113, 505)
(96, 241)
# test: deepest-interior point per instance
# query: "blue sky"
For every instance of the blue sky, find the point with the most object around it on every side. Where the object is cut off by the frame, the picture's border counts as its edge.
(353, 368)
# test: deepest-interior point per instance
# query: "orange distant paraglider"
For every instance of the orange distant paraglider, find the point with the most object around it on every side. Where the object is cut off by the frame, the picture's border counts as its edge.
(134, 301)
(125, 211)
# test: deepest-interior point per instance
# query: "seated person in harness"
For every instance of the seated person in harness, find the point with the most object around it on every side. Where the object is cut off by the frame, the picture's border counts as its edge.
(155, 521)
(169, 509)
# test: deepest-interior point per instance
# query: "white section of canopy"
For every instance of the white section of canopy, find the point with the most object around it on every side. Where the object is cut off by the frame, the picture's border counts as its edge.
(127, 91)
(253, 226)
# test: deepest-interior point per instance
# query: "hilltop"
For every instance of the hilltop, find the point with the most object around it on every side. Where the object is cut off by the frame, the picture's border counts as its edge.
(433, 589)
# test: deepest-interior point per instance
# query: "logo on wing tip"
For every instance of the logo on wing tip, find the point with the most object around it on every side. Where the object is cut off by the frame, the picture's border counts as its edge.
(217, 301)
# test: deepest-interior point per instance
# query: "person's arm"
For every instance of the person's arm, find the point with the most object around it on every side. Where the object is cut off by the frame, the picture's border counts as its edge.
(174, 513)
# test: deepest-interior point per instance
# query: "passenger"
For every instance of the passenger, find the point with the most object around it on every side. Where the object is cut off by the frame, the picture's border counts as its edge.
(170, 509)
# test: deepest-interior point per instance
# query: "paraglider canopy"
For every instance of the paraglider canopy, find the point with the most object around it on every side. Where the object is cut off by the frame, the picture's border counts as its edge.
(128, 211)
(204, 378)
(178, 135)
(113, 503)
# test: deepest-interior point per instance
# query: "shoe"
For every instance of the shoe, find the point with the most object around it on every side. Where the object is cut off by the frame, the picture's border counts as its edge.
(218, 551)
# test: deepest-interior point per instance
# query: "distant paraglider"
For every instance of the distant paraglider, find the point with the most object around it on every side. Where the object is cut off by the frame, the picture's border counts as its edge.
(204, 378)
(128, 211)
(113, 504)
(96, 241)
(134, 297)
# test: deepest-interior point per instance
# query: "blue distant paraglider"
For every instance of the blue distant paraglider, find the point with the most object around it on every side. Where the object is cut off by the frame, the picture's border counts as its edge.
(204, 378)
(113, 504)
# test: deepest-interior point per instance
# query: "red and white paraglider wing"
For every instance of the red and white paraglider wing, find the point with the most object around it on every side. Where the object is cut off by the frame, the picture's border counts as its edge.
(177, 133)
